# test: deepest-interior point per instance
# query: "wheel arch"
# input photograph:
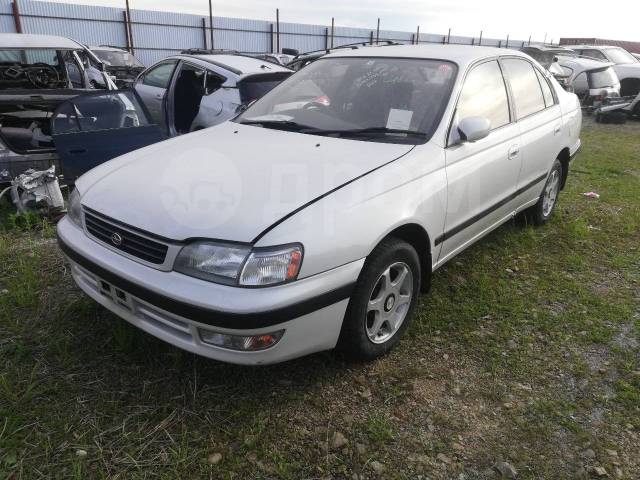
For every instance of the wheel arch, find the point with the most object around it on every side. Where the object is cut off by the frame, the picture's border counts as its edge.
(416, 236)
(564, 157)
(629, 86)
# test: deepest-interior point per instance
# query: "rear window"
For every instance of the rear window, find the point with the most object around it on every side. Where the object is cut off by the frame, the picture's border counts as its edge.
(602, 78)
(255, 87)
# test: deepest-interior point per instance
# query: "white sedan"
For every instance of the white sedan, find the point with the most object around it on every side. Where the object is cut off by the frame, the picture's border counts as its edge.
(315, 218)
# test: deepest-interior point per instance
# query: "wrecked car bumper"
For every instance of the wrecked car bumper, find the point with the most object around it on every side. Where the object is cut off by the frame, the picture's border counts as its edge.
(179, 309)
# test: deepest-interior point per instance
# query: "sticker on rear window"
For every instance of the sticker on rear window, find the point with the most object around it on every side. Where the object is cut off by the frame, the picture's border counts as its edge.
(399, 119)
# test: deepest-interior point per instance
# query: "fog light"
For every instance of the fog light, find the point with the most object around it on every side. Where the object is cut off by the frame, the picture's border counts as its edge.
(239, 342)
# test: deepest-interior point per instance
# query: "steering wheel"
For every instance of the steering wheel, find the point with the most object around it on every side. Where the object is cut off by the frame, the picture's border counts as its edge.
(42, 75)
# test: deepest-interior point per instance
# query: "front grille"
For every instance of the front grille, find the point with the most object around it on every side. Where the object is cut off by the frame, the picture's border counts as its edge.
(129, 242)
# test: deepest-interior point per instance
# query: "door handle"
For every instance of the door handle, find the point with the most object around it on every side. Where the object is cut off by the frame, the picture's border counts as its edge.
(557, 129)
(159, 96)
(514, 151)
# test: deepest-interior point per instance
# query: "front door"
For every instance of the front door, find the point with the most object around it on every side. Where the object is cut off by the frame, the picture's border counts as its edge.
(482, 176)
(152, 87)
(90, 129)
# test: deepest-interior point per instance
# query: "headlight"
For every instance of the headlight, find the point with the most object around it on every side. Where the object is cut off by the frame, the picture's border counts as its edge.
(240, 265)
(214, 262)
(74, 210)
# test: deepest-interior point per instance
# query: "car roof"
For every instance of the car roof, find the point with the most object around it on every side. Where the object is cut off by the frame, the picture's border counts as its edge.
(104, 48)
(596, 47)
(26, 40)
(240, 64)
(462, 55)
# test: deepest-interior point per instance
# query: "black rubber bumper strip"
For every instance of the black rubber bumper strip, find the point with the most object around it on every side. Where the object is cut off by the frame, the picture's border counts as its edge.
(215, 318)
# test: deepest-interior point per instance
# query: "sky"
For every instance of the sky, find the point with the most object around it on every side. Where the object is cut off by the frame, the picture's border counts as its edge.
(497, 18)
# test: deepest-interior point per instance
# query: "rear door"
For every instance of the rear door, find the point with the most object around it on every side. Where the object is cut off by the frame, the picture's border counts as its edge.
(482, 175)
(153, 86)
(91, 129)
(540, 121)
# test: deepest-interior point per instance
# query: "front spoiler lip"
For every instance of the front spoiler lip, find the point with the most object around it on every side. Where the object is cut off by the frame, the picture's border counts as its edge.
(214, 318)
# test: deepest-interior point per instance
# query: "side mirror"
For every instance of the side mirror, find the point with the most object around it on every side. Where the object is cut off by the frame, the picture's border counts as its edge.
(290, 51)
(472, 129)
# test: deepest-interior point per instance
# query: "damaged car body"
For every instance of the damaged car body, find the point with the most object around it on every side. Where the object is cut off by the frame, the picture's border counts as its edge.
(38, 73)
(186, 92)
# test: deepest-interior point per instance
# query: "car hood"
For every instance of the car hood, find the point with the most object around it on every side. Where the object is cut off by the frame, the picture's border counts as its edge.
(228, 182)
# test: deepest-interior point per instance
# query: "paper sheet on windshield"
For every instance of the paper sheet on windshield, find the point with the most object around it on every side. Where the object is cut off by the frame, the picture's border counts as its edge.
(399, 119)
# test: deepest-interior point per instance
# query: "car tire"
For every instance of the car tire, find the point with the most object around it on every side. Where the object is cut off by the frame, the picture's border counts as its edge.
(542, 211)
(383, 301)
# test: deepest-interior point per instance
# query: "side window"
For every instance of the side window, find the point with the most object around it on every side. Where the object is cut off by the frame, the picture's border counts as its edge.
(213, 82)
(159, 76)
(546, 89)
(525, 87)
(594, 54)
(484, 94)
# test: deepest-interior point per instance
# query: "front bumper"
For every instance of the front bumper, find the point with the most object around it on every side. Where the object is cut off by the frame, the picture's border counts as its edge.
(172, 306)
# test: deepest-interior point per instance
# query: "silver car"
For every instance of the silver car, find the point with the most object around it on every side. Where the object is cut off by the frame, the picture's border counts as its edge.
(185, 92)
(315, 218)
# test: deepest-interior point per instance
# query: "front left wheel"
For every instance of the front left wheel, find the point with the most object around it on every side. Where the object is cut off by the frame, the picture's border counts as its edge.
(383, 301)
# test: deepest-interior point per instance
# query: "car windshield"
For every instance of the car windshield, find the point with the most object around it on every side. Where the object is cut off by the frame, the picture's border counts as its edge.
(397, 100)
(620, 55)
(117, 59)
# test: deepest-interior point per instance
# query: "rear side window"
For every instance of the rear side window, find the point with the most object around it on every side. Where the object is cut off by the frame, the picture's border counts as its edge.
(255, 87)
(597, 54)
(546, 89)
(525, 87)
(485, 95)
(160, 75)
(602, 78)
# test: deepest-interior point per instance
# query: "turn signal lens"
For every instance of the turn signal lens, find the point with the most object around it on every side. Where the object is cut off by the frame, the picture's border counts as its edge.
(269, 266)
(239, 342)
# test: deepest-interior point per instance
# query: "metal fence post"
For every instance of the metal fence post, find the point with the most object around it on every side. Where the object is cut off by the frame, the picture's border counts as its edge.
(378, 33)
(480, 40)
(418, 35)
(204, 33)
(371, 38)
(326, 38)
(333, 26)
(271, 35)
(507, 44)
(16, 16)
(529, 39)
(449, 36)
(130, 29)
(211, 23)
(277, 30)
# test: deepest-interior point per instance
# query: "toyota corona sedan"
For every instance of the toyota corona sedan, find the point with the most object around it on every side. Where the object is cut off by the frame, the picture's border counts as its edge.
(315, 218)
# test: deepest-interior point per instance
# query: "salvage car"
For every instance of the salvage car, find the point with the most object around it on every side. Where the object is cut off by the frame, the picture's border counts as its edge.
(123, 66)
(189, 92)
(592, 80)
(37, 74)
(626, 66)
(301, 227)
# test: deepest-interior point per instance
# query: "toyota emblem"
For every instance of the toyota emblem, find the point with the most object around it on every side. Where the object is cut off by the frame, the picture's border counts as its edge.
(116, 239)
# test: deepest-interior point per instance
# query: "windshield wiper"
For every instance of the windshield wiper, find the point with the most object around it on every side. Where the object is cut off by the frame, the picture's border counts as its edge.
(368, 131)
(283, 124)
